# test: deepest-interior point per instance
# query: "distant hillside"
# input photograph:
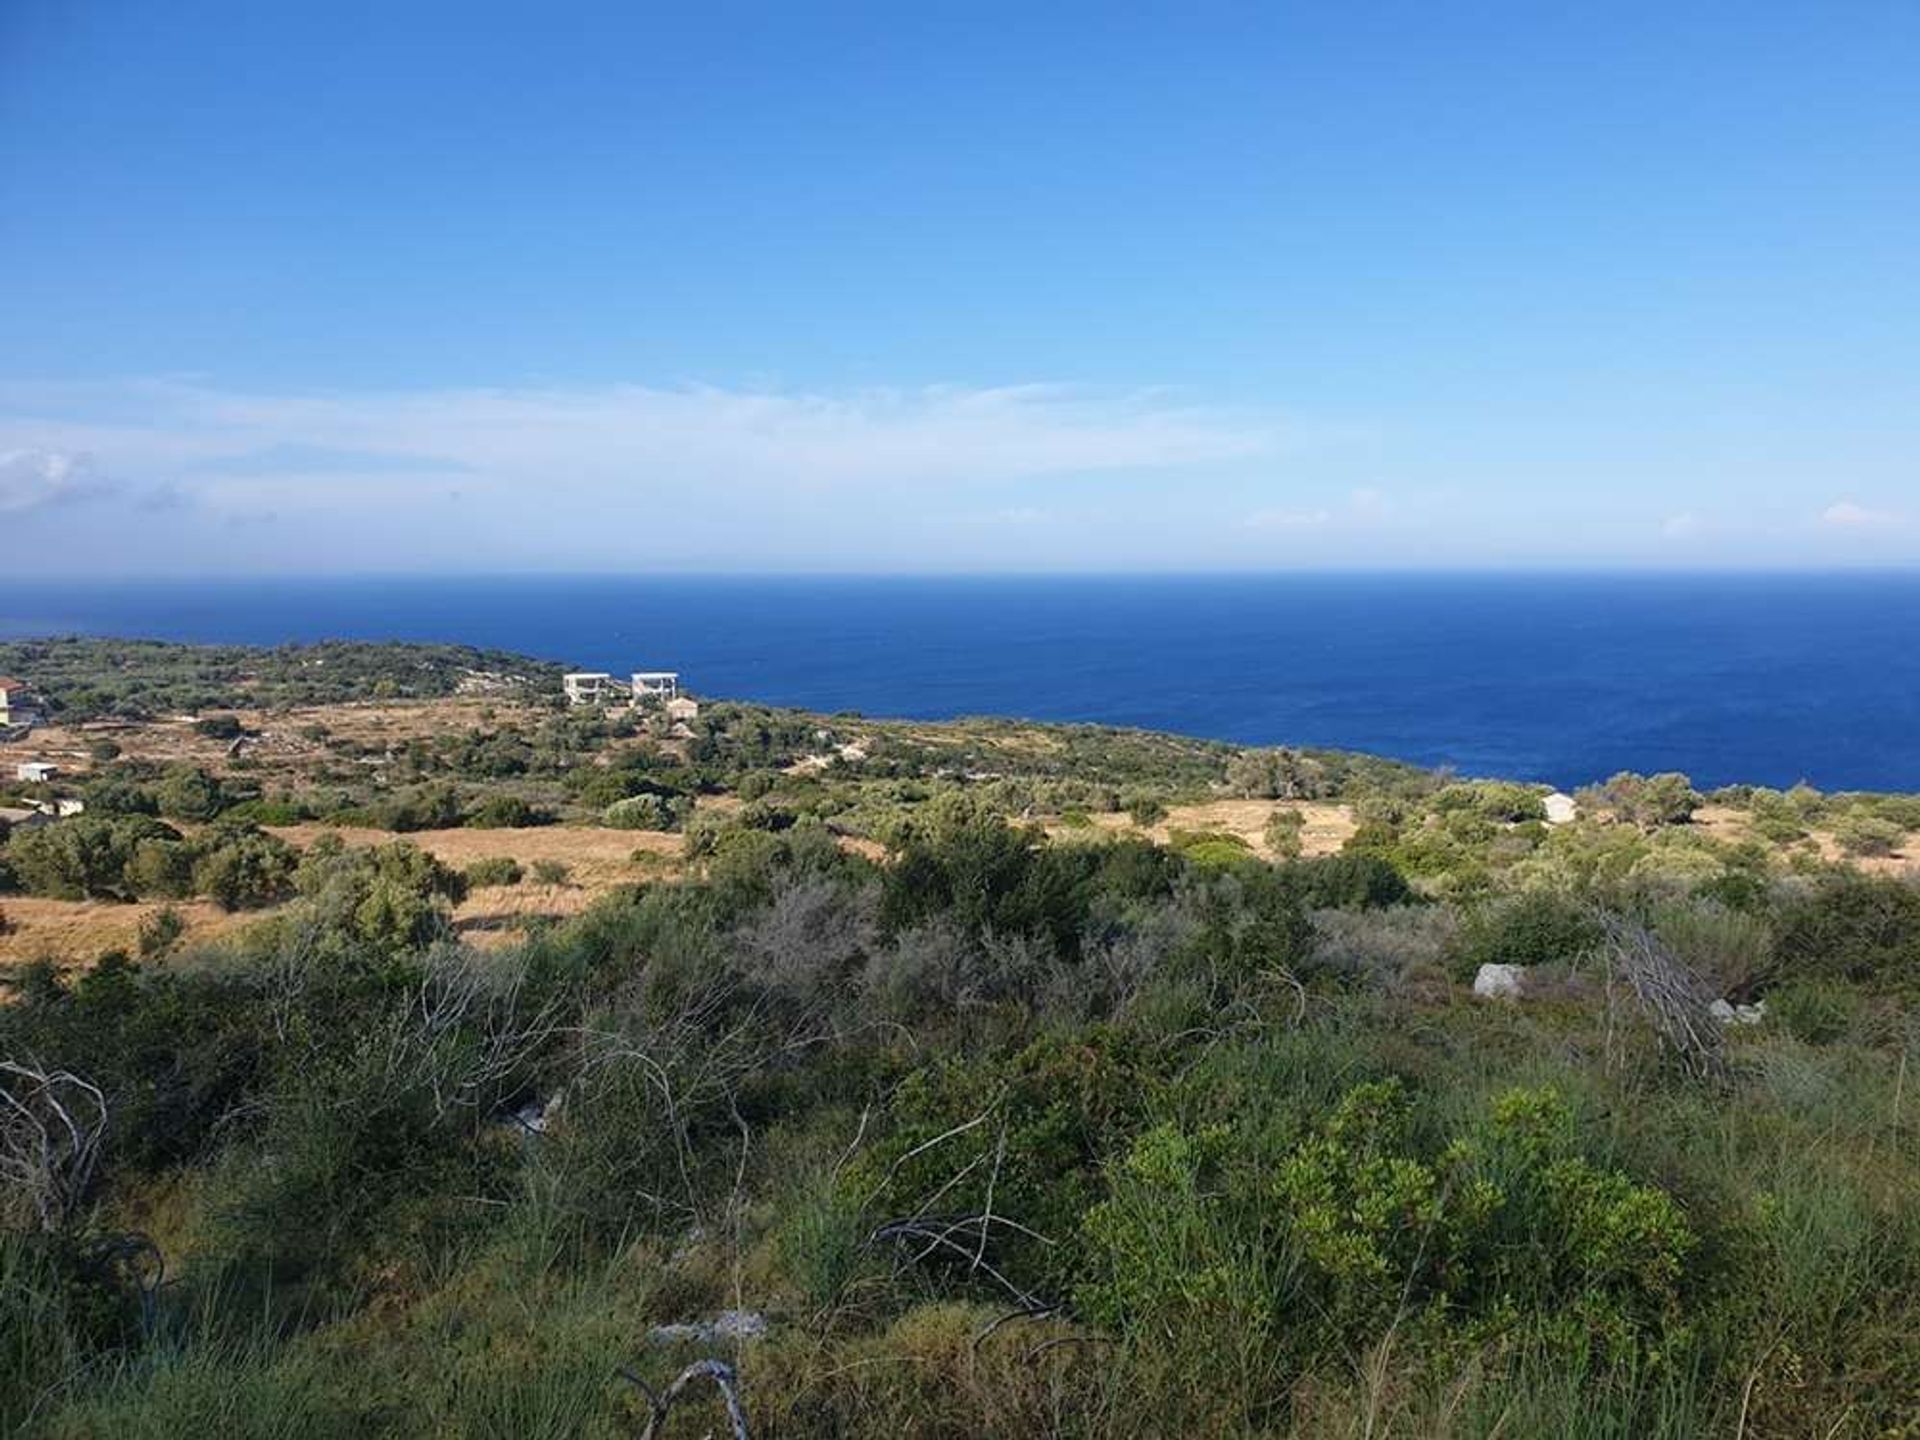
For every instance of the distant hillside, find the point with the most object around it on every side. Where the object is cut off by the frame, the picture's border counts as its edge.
(83, 678)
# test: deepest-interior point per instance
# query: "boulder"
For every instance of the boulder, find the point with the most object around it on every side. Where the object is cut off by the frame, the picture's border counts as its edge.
(731, 1325)
(1500, 982)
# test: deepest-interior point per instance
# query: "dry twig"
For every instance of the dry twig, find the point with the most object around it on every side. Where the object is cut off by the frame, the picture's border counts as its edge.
(661, 1402)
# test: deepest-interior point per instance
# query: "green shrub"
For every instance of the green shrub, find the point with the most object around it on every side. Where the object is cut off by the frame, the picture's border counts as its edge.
(1858, 928)
(506, 812)
(1649, 801)
(550, 872)
(86, 857)
(1866, 836)
(1283, 833)
(1728, 948)
(186, 792)
(1359, 1226)
(645, 812)
(1815, 1011)
(160, 932)
(1211, 849)
(493, 870)
(1346, 882)
(1051, 1112)
(243, 868)
(1536, 927)
(115, 794)
(1146, 810)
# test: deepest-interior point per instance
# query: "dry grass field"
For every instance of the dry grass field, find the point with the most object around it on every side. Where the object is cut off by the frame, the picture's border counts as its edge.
(1326, 829)
(75, 932)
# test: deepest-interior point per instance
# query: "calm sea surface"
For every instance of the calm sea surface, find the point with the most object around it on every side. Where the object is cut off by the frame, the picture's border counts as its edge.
(1763, 678)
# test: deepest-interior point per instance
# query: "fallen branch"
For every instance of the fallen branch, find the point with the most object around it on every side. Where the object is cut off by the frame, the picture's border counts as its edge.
(660, 1403)
(932, 1234)
(1671, 995)
(52, 1125)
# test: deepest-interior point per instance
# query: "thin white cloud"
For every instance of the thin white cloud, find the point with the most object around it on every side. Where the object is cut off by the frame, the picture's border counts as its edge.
(1363, 507)
(1369, 504)
(1679, 527)
(40, 479)
(640, 436)
(1287, 519)
(608, 476)
(1850, 515)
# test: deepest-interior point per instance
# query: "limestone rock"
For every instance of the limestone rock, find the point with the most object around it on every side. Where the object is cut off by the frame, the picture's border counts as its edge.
(1500, 982)
(730, 1325)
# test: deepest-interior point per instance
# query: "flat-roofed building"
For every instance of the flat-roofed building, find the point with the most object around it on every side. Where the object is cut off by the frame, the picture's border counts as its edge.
(656, 684)
(589, 687)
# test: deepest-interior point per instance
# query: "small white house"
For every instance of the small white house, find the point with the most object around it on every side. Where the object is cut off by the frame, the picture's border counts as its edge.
(35, 772)
(1560, 808)
(13, 699)
(588, 687)
(655, 684)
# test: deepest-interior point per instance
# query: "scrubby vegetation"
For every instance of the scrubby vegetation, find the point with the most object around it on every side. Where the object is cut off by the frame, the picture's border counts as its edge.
(83, 678)
(1012, 1105)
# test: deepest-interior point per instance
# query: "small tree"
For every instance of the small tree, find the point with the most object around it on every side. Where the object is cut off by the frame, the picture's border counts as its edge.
(160, 932)
(1652, 801)
(1146, 810)
(1283, 834)
(187, 792)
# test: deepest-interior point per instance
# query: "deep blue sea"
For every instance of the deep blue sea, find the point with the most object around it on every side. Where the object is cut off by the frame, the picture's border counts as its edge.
(1770, 679)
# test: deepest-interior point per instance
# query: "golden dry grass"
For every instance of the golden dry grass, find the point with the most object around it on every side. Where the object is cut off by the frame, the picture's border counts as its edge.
(1725, 822)
(597, 861)
(75, 932)
(1326, 829)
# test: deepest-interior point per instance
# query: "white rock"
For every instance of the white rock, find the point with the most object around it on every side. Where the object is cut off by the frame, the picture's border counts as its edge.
(727, 1325)
(1500, 982)
(1721, 1011)
(534, 1117)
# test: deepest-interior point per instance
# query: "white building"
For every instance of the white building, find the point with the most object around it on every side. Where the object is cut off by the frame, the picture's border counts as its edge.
(13, 700)
(1560, 808)
(35, 772)
(655, 684)
(589, 687)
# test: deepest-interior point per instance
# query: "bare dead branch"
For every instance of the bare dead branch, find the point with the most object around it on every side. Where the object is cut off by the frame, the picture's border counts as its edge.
(660, 1403)
(52, 1127)
(1673, 998)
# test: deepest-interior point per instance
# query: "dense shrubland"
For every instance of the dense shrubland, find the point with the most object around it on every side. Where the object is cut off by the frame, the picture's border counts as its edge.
(1012, 1118)
(82, 678)
(1007, 1137)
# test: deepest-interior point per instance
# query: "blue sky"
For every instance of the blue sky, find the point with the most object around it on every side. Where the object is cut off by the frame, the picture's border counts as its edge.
(340, 287)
